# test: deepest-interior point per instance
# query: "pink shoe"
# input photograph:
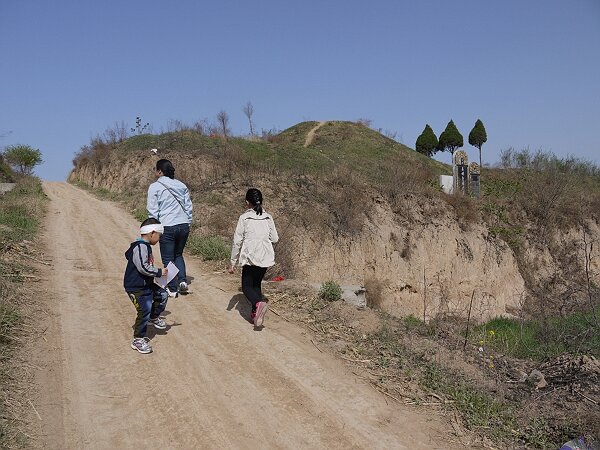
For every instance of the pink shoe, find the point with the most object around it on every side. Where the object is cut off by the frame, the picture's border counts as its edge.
(261, 310)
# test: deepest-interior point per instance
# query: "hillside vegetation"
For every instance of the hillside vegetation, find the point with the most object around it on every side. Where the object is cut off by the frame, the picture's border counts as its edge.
(352, 181)
(21, 212)
(515, 273)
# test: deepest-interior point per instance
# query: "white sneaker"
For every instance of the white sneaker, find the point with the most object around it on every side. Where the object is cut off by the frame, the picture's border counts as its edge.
(158, 323)
(183, 288)
(142, 345)
(171, 294)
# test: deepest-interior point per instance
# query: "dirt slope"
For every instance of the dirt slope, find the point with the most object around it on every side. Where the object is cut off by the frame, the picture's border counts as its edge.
(212, 381)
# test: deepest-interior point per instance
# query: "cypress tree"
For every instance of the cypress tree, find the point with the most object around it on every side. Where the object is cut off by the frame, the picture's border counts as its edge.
(450, 139)
(427, 142)
(478, 137)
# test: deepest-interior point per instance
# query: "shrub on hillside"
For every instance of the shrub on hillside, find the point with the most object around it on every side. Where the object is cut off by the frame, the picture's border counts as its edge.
(96, 153)
(546, 162)
(330, 291)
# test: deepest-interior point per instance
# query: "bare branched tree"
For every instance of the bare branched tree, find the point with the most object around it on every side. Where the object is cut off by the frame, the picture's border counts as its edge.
(248, 111)
(201, 126)
(115, 134)
(389, 134)
(223, 120)
(365, 122)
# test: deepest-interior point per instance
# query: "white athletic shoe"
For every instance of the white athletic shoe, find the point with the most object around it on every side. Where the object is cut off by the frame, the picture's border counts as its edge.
(183, 288)
(158, 323)
(142, 345)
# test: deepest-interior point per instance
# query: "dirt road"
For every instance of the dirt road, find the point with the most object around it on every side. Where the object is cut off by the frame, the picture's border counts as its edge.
(212, 381)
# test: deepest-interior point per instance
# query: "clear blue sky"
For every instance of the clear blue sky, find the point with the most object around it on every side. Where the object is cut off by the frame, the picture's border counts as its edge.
(530, 70)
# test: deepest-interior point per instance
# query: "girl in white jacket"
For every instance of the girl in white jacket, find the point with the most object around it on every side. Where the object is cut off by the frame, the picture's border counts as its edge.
(252, 249)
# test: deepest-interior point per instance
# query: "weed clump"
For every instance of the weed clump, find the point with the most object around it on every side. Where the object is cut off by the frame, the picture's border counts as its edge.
(211, 248)
(330, 291)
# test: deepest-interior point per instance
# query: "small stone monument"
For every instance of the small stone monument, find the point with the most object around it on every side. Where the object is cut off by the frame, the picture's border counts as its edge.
(446, 183)
(474, 181)
(460, 172)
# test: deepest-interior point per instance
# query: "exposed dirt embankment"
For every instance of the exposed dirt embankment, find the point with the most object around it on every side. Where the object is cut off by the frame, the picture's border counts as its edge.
(423, 262)
(425, 267)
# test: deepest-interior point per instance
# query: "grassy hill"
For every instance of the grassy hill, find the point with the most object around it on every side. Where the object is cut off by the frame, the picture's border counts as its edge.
(354, 145)
(335, 144)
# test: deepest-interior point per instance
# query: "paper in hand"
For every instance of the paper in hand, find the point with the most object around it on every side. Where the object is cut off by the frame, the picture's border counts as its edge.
(172, 270)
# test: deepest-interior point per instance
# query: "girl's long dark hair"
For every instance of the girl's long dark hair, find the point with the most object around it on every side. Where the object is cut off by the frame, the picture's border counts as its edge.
(165, 166)
(255, 198)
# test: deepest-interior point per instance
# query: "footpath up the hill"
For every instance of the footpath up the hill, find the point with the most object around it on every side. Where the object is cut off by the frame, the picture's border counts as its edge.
(212, 381)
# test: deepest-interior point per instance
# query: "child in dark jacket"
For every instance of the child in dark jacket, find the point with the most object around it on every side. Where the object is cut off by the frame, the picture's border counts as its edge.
(149, 299)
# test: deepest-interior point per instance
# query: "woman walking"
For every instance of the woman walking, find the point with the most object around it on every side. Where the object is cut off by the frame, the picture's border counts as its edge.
(252, 249)
(169, 201)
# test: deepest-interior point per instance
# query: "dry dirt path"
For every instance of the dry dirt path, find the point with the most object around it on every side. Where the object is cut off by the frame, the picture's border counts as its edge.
(310, 136)
(212, 381)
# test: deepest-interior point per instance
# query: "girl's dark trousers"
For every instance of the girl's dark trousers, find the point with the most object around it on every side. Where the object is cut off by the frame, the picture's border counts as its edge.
(252, 276)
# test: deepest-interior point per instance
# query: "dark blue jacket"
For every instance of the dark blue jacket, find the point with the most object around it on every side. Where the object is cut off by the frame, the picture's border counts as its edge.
(140, 270)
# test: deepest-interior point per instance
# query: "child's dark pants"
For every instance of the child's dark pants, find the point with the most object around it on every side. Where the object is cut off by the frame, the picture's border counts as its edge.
(149, 304)
(251, 278)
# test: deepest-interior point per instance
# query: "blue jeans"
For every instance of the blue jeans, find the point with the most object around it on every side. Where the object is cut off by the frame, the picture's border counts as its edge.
(172, 243)
(149, 303)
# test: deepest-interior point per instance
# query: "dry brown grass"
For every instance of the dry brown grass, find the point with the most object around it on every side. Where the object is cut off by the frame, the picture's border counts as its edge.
(20, 213)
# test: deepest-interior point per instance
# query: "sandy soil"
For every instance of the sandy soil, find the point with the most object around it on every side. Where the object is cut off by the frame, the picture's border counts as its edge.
(212, 381)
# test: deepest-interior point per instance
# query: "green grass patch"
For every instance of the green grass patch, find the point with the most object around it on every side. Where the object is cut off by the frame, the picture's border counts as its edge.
(539, 339)
(413, 323)
(175, 140)
(19, 223)
(20, 211)
(497, 187)
(513, 236)
(140, 214)
(106, 194)
(211, 248)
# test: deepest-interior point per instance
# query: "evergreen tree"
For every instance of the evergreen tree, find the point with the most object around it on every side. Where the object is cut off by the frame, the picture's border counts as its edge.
(450, 139)
(427, 142)
(478, 137)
